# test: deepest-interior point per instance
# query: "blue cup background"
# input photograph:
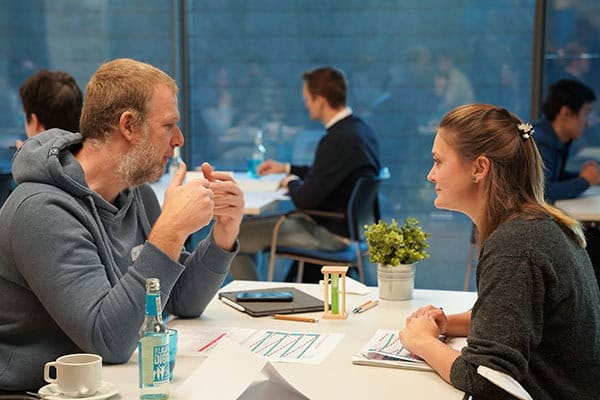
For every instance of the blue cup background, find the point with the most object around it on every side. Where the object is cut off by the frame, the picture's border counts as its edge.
(173, 335)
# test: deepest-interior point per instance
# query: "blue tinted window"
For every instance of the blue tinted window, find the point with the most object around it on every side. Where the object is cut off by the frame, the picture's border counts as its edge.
(407, 62)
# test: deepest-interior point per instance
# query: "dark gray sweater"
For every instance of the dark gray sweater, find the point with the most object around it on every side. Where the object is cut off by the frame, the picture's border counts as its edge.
(70, 280)
(537, 316)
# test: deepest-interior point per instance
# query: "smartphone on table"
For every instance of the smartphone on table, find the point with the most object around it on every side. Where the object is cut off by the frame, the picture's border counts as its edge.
(264, 296)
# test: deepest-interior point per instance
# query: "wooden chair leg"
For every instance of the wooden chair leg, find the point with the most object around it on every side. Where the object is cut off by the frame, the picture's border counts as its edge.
(271, 265)
(274, 247)
(300, 273)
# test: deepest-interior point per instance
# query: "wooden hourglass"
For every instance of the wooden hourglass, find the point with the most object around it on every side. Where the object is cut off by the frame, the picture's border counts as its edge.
(335, 274)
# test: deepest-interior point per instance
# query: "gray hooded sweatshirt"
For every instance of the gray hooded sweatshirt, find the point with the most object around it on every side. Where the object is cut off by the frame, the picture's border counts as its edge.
(73, 266)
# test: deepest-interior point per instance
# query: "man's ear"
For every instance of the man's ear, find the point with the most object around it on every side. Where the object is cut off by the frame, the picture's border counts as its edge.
(322, 101)
(36, 125)
(481, 168)
(127, 126)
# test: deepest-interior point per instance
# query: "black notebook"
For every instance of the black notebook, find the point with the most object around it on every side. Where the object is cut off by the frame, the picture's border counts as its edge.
(302, 303)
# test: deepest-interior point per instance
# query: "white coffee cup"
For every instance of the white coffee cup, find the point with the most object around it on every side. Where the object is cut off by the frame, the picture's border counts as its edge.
(77, 375)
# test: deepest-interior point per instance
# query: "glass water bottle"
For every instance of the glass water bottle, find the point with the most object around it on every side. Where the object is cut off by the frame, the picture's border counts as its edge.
(258, 155)
(153, 347)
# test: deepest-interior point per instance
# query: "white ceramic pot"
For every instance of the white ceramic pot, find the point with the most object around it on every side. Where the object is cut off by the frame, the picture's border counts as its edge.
(396, 283)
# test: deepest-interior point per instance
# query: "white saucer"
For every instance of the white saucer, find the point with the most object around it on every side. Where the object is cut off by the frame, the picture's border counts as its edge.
(105, 391)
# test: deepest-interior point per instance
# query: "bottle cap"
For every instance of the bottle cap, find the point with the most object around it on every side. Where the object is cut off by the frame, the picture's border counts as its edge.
(259, 136)
(152, 284)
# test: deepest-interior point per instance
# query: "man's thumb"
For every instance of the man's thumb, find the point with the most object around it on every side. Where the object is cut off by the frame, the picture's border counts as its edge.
(179, 175)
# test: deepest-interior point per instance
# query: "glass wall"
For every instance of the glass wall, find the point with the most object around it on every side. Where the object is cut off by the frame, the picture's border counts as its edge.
(408, 62)
(77, 36)
(572, 51)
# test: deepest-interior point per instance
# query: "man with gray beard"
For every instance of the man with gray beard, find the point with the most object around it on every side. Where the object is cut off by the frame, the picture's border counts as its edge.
(83, 231)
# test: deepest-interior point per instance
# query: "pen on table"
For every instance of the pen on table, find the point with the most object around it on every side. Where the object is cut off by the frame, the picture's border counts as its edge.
(294, 318)
(357, 309)
(368, 306)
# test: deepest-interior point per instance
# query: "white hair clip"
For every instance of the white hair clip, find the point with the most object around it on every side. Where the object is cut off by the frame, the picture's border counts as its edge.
(526, 130)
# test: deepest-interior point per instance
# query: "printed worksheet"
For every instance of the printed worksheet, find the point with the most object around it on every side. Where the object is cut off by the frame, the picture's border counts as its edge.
(386, 345)
(296, 347)
(199, 342)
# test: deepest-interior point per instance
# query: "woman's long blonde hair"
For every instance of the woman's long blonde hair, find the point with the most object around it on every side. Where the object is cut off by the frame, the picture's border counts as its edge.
(515, 183)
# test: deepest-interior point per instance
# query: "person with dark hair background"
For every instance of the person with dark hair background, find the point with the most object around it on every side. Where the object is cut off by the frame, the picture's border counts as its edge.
(51, 99)
(567, 109)
(348, 151)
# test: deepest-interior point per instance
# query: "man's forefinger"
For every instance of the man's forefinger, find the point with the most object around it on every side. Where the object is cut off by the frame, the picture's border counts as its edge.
(221, 176)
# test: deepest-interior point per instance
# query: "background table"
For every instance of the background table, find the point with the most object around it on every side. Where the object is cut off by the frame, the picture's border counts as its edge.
(585, 208)
(260, 195)
(336, 377)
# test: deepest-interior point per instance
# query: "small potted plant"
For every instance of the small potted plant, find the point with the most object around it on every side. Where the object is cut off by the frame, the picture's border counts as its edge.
(396, 249)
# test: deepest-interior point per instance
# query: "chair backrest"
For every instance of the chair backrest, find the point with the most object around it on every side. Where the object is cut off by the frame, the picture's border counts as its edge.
(363, 205)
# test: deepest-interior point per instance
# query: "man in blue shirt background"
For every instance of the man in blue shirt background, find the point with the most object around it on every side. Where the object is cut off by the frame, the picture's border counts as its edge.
(566, 109)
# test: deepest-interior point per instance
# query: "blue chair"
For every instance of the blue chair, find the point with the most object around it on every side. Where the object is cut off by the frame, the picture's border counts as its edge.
(362, 209)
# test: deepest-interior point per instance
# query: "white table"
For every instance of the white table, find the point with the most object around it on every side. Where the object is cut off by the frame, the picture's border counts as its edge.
(585, 208)
(259, 194)
(336, 377)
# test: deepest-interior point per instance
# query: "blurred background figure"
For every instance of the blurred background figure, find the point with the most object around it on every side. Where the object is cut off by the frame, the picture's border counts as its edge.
(575, 62)
(51, 99)
(348, 151)
(452, 87)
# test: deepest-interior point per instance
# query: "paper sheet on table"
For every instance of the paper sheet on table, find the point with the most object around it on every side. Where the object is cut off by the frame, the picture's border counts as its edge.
(293, 347)
(385, 349)
(275, 387)
(199, 342)
(206, 380)
(354, 287)
(267, 183)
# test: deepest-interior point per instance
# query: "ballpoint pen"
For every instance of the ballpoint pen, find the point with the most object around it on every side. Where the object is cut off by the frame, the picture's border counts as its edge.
(368, 306)
(294, 318)
(357, 309)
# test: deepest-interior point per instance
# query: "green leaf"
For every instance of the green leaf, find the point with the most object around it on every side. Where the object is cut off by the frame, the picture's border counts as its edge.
(392, 244)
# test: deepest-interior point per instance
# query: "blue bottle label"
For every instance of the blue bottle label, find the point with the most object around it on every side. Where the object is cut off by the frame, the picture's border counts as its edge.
(153, 352)
(160, 364)
(153, 304)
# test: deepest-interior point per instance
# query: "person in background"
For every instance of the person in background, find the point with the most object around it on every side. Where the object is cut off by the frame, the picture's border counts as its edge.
(51, 99)
(566, 109)
(83, 230)
(452, 86)
(537, 315)
(348, 151)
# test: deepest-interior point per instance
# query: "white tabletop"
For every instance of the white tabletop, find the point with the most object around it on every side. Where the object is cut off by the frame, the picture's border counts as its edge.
(585, 208)
(336, 377)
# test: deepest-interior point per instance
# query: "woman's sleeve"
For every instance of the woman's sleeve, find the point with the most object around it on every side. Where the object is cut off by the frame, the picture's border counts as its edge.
(506, 324)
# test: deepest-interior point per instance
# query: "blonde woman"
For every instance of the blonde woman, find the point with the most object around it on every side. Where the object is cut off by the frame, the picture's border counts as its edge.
(537, 316)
